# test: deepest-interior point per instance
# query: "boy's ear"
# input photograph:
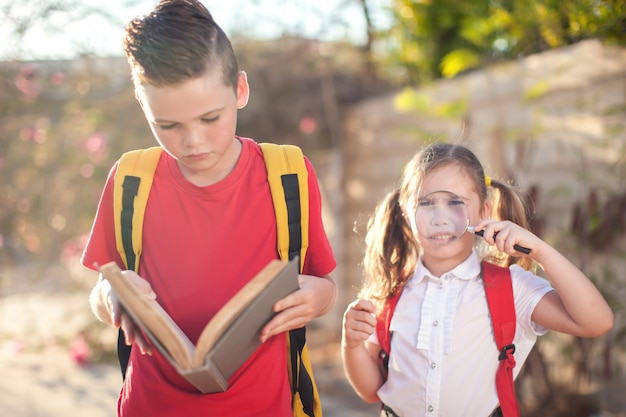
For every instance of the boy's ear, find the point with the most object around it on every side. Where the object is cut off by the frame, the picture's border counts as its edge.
(243, 90)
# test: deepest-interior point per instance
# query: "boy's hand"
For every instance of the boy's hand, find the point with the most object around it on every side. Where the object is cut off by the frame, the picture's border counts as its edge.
(132, 334)
(359, 322)
(315, 297)
(119, 317)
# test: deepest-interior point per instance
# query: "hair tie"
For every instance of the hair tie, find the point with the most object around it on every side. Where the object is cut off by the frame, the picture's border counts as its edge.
(487, 181)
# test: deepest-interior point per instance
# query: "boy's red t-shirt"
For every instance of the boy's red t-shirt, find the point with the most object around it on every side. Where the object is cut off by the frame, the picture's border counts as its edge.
(200, 246)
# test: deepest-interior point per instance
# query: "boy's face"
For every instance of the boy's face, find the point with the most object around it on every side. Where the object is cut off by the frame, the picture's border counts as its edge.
(195, 123)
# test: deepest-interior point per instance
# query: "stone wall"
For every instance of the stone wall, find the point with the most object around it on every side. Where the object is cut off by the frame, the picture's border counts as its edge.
(555, 121)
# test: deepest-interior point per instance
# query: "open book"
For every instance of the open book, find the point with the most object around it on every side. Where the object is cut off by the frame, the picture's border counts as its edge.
(227, 340)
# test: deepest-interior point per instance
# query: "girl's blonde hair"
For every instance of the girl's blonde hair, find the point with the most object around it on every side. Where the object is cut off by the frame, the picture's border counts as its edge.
(392, 252)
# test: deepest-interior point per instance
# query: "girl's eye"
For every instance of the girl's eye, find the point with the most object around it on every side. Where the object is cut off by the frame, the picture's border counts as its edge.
(167, 127)
(456, 202)
(424, 203)
(210, 119)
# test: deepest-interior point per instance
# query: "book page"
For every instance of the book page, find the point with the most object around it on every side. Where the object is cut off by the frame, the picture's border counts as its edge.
(151, 316)
(233, 308)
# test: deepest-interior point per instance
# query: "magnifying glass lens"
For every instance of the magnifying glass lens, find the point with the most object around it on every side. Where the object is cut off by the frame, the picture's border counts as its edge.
(441, 217)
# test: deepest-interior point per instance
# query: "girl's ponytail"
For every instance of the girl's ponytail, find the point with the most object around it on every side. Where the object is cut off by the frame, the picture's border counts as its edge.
(510, 204)
(391, 252)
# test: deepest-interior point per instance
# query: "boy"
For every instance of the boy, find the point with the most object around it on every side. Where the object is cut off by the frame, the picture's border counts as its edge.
(209, 223)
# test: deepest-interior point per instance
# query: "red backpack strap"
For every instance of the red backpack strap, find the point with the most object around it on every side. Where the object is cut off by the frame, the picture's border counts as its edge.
(383, 321)
(499, 291)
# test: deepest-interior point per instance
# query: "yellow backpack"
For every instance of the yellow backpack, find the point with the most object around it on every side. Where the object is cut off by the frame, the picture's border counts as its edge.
(288, 179)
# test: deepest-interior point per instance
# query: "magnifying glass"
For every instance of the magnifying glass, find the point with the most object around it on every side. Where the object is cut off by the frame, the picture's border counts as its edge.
(443, 217)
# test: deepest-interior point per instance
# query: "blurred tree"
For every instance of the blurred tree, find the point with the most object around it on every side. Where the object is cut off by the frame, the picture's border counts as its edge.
(64, 123)
(65, 25)
(76, 27)
(433, 39)
(55, 125)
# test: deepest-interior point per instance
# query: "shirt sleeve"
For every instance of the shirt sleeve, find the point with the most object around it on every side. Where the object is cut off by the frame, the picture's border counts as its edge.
(320, 260)
(528, 290)
(101, 247)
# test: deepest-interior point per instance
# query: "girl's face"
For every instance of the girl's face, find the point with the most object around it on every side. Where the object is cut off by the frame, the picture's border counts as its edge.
(443, 251)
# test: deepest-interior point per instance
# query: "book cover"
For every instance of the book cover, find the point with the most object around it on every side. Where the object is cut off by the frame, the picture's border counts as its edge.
(227, 340)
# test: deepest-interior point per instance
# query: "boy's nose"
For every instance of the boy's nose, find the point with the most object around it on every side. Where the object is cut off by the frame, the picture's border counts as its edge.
(192, 137)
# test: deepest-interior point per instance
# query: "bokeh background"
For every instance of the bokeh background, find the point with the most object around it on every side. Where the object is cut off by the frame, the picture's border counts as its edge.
(537, 88)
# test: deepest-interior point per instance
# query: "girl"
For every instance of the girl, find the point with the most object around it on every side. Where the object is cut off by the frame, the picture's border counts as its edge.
(443, 358)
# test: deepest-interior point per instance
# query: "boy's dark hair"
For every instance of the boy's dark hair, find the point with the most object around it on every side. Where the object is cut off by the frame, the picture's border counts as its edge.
(178, 41)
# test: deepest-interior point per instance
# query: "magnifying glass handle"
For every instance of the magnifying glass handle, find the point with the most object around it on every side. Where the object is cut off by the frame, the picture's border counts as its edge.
(517, 247)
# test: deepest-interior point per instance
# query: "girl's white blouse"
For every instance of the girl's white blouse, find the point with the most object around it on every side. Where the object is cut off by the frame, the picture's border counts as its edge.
(443, 356)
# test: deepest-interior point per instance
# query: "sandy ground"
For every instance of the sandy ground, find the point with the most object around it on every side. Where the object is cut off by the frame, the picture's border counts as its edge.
(50, 384)
(46, 371)
(41, 374)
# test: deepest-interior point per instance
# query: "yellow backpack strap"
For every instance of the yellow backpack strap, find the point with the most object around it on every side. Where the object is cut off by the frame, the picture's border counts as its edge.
(131, 187)
(288, 179)
(132, 183)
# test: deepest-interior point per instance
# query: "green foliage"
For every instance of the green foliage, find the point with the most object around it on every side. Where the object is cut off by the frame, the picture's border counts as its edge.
(458, 61)
(410, 100)
(433, 39)
(537, 91)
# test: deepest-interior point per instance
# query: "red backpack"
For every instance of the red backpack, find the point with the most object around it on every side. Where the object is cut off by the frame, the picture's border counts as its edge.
(499, 292)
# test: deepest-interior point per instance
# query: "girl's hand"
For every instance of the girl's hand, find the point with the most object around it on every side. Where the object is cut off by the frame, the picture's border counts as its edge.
(359, 322)
(506, 234)
(359, 356)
